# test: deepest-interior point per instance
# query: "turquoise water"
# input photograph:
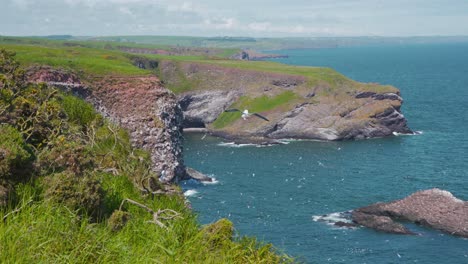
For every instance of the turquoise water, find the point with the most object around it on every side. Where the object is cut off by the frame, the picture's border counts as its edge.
(273, 192)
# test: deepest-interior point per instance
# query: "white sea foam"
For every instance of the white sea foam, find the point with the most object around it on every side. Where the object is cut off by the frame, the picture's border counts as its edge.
(212, 182)
(235, 145)
(190, 193)
(333, 218)
(415, 133)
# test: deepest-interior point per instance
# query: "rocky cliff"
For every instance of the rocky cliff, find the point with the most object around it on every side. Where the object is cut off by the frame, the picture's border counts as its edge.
(326, 107)
(142, 105)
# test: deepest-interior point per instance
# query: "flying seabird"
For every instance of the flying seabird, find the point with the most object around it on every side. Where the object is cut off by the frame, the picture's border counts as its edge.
(246, 114)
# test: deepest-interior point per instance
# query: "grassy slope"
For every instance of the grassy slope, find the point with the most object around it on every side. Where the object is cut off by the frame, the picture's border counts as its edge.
(46, 221)
(86, 60)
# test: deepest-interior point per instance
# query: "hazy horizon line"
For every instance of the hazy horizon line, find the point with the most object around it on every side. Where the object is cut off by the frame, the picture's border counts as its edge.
(240, 36)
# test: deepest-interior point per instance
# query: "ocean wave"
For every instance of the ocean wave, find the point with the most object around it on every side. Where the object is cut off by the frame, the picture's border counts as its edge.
(195, 182)
(415, 133)
(241, 145)
(234, 145)
(213, 181)
(190, 193)
(338, 219)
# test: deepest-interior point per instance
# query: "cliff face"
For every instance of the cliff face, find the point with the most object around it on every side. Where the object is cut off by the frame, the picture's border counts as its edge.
(328, 109)
(142, 105)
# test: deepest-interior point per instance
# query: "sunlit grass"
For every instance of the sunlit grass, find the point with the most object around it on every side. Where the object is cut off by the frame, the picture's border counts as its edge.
(257, 104)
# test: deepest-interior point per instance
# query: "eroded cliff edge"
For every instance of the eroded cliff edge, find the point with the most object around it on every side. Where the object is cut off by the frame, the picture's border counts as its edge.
(300, 102)
(141, 105)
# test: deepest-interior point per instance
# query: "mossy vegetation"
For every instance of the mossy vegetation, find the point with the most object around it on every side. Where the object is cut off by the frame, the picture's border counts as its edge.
(68, 206)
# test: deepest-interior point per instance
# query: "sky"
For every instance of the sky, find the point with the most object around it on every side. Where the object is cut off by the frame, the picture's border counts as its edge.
(255, 18)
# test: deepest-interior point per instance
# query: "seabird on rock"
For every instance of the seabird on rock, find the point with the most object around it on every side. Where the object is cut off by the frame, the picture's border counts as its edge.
(246, 114)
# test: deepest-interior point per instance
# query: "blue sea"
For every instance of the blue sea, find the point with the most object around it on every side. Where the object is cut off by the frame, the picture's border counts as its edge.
(274, 192)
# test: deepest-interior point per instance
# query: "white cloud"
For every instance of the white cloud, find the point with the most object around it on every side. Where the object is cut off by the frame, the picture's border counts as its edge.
(183, 7)
(125, 10)
(221, 23)
(22, 4)
(262, 26)
(240, 17)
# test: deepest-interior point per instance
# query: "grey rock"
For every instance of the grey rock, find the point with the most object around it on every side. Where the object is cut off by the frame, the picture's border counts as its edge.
(387, 96)
(380, 223)
(364, 95)
(194, 174)
(203, 108)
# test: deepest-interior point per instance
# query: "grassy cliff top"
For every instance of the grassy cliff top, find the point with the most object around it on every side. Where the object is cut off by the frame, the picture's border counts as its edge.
(98, 58)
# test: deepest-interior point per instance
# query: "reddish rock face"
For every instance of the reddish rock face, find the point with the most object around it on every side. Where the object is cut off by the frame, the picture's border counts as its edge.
(47, 74)
(141, 105)
(151, 114)
(432, 208)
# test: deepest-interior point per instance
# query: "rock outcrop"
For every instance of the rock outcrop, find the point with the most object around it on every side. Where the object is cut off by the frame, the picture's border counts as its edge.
(142, 105)
(338, 110)
(203, 108)
(432, 208)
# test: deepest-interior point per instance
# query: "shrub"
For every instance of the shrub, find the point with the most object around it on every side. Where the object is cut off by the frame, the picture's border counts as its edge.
(118, 220)
(15, 155)
(82, 194)
(78, 111)
(63, 154)
(218, 233)
(5, 194)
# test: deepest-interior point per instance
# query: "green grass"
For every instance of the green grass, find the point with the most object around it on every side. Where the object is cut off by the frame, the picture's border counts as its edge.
(42, 232)
(78, 111)
(112, 44)
(257, 105)
(89, 61)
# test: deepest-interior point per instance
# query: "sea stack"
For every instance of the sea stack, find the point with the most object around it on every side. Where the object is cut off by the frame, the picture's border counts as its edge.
(432, 208)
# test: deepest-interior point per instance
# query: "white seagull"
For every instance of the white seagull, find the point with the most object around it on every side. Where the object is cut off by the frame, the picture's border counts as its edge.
(246, 114)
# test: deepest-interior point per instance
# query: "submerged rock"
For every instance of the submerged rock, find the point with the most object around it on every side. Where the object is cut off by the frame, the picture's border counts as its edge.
(432, 208)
